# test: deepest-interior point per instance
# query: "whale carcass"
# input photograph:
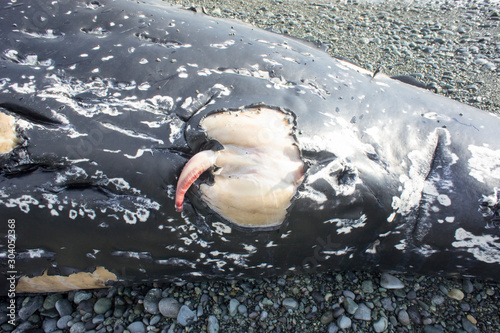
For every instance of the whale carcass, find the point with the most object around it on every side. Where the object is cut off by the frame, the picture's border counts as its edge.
(140, 142)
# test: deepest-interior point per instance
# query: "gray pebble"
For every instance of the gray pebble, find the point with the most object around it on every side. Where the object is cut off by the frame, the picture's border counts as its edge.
(33, 304)
(233, 307)
(79, 327)
(389, 281)
(363, 313)
(81, 296)
(468, 286)
(64, 307)
(242, 309)
(387, 304)
(468, 326)
(349, 305)
(62, 323)
(155, 320)
(137, 327)
(333, 328)
(403, 317)
(414, 315)
(344, 322)
(50, 301)
(98, 319)
(169, 307)
(437, 299)
(103, 305)
(151, 301)
(49, 325)
(327, 317)
(186, 316)
(213, 324)
(367, 287)
(432, 329)
(263, 315)
(290, 303)
(380, 325)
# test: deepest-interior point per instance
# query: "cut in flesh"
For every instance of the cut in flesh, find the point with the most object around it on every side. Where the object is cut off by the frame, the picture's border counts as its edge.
(258, 170)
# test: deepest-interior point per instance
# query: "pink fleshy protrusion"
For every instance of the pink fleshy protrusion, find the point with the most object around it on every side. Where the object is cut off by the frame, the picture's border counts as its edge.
(198, 164)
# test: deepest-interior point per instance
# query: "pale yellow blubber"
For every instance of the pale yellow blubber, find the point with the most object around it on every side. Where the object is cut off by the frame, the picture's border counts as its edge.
(259, 168)
(8, 138)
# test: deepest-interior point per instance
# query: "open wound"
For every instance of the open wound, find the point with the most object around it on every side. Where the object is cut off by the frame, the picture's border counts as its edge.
(257, 172)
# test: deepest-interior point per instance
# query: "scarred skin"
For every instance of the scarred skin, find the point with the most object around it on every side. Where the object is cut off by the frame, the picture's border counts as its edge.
(109, 102)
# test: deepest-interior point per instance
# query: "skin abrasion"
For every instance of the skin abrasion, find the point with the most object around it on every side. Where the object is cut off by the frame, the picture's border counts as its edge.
(258, 171)
(8, 137)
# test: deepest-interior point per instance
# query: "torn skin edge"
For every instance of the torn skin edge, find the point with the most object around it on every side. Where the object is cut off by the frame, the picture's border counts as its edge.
(57, 283)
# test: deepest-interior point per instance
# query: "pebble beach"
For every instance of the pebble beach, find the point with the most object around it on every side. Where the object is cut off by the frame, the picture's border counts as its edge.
(453, 47)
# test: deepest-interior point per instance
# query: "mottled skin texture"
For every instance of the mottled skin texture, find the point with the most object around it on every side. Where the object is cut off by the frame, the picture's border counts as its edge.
(108, 100)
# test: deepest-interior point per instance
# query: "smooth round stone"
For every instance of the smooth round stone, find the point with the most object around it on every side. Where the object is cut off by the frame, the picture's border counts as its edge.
(349, 305)
(367, 287)
(414, 315)
(49, 325)
(137, 327)
(155, 320)
(363, 313)
(81, 296)
(62, 323)
(380, 325)
(186, 316)
(103, 305)
(389, 281)
(432, 329)
(169, 307)
(233, 307)
(213, 324)
(30, 307)
(437, 299)
(468, 326)
(344, 322)
(327, 317)
(456, 294)
(290, 303)
(242, 309)
(387, 304)
(50, 301)
(78, 327)
(98, 319)
(64, 307)
(468, 286)
(403, 317)
(333, 328)
(263, 315)
(151, 301)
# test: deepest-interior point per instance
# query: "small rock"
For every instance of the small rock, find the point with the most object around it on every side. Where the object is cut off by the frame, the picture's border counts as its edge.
(213, 324)
(102, 305)
(367, 287)
(81, 296)
(233, 307)
(468, 326)
(403, 317)
(186, 316)
(62, 323)
(151, 301)
(169, 307)
(414, 315)
(79, 327)
(49, 325)
(389, 281)
(64, 307)
(30, 307)
(333, 328)
(456, 294)
(290, 303)
(387, 304)
(50, 301)
(432, 329)
(467, 286)
(344, 322)
(263, 315)
(363, 313)
(327, 317)
(349, 305)
(137, 327)
(437, 299)
(242, 309)
(380, 325)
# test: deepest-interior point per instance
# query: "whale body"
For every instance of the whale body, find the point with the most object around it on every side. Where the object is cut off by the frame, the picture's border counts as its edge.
(295, 161)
